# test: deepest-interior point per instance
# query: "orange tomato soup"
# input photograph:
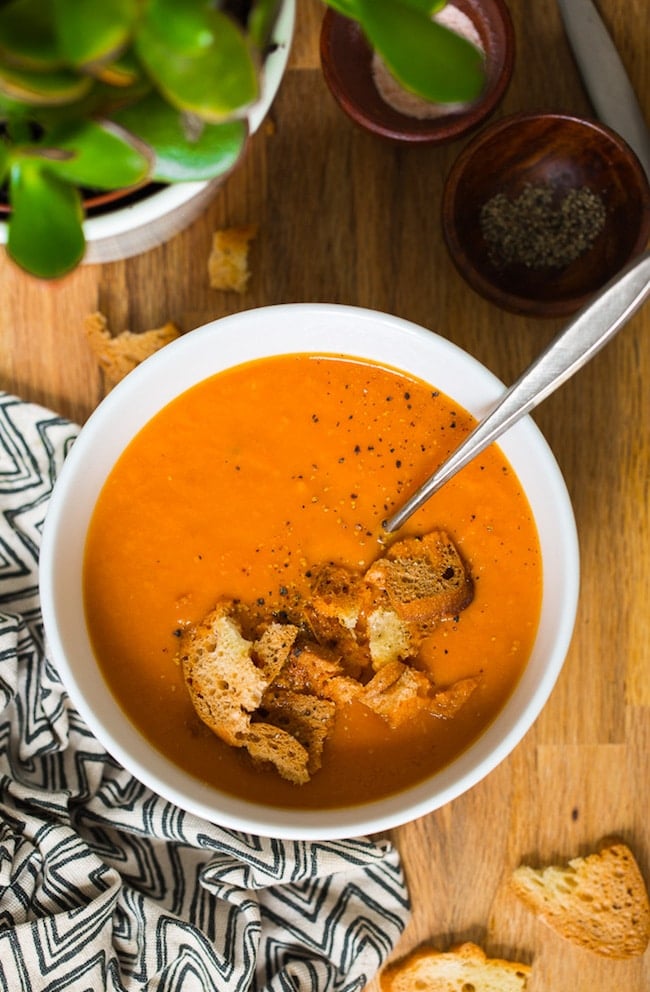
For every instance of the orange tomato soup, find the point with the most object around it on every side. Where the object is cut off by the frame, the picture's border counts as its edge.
(249, 478)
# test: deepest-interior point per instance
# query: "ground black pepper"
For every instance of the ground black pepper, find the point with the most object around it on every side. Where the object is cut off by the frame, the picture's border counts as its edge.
(541, 228)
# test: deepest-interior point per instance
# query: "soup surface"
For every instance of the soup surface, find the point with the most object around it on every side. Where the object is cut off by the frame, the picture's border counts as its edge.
(243, 483)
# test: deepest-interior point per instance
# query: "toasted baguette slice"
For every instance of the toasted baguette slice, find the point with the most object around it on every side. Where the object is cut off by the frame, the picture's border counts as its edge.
(599, 901)
(424, 578)
(460, 969)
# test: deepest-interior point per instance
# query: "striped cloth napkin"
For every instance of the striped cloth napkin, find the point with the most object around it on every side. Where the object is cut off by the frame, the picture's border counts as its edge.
(105, 885)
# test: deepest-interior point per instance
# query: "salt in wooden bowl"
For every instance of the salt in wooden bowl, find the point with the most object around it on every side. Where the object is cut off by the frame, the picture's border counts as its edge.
(347, 66)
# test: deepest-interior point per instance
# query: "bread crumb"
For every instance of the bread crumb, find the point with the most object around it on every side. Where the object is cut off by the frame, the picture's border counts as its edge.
(228, 260)
(119, 354)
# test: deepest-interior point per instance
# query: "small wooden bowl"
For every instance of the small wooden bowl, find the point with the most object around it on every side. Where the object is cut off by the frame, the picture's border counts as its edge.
(346, 61)
(551, 151)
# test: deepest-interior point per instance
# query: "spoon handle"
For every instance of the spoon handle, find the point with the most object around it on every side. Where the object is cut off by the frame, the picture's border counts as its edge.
(581, 339)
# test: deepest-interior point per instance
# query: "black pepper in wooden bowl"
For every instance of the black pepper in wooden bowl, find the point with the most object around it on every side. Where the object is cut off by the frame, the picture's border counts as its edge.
(541, 210)
(540, 229)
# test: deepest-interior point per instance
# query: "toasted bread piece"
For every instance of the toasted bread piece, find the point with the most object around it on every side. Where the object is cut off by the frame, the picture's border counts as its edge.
(224, 683)
(306, 717)
(337, 594)
(267, 744)
(390, 638)
(445, 703)
(314, 670)
(118, 355)
(397, 693)
(599, 901)
(334, 612)
(424, 578)
(463, 968)
(273, 647)
(228, 259)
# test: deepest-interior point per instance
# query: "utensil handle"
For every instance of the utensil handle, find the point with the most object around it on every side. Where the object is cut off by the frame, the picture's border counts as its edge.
(581, 339)
(604, 76)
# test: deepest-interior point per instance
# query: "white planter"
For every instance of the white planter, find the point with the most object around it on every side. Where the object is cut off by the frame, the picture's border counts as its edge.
(132, 229)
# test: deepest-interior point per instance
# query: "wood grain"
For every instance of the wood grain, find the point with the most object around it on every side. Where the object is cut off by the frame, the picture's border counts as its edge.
(344, 217)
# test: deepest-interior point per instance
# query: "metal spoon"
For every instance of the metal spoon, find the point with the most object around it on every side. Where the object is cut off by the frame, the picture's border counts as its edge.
(581, 339)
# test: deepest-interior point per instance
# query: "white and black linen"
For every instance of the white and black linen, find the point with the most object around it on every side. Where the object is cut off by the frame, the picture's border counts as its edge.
(105, 885)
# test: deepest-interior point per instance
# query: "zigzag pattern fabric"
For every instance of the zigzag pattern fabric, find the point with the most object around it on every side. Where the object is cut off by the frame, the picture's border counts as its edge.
(103, 884)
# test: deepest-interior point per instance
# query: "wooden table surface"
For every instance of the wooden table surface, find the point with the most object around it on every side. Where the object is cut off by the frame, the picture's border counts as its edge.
(346, 218)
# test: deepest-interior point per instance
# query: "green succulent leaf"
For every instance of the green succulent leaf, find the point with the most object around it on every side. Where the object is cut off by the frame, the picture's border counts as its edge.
(12, 110)
(346, 7)
(45, 230)
(4, 162)
(262, 20)
(425, 57)
(185, 147)
(428, 7)
(89, 31)
(27, 36)
(198, 58)
(51, 88)
(123, 73)
(94, 155)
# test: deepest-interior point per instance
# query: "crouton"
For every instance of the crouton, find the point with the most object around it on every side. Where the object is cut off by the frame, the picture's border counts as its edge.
(390, 638)
(273, 647)
(306, 717)
(119, 354)
(314, 670)
(446, 703)
(397, 692)
(423, 578)
(228, 260)
(269, 745)
(224, 683)
(334, 612)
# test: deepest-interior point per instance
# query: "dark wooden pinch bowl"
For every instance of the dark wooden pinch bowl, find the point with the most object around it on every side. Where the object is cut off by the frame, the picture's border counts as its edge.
(346, 61)
(548, 150)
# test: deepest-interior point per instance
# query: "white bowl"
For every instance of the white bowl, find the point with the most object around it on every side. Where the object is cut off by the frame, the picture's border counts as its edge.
(211, 349)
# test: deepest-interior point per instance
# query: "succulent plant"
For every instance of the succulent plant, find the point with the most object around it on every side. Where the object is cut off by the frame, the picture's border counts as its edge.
(112, 95)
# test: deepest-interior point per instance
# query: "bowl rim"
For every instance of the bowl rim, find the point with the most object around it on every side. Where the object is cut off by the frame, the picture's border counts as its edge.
(510, 300)
(232, 340)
